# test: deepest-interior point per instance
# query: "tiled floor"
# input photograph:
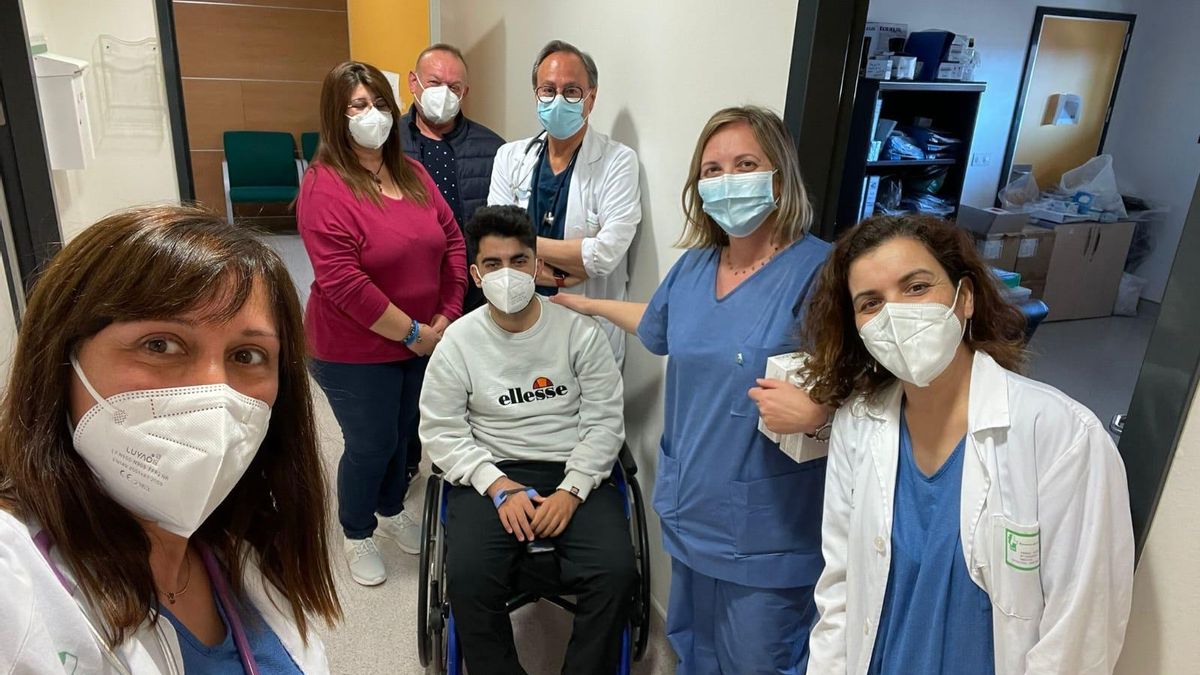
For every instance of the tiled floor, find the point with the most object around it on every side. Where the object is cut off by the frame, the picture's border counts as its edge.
(1094, 361)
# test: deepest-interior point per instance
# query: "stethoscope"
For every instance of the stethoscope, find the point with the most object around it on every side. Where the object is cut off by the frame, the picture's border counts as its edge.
(517, 178)
(44, 543)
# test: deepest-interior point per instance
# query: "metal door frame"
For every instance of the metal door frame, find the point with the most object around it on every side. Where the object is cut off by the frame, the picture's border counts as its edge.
(1166, 384)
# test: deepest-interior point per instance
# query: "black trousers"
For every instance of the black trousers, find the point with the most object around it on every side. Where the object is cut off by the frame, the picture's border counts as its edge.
(595, 561)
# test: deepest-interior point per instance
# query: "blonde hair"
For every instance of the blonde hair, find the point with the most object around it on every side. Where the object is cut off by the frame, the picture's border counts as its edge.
(794, 216)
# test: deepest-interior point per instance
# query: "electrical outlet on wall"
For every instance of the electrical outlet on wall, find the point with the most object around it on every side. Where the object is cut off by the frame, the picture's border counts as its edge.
(981, 159)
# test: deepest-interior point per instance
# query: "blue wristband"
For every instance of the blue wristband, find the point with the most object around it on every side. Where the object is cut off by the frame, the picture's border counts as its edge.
(503, 496)
(413, 333)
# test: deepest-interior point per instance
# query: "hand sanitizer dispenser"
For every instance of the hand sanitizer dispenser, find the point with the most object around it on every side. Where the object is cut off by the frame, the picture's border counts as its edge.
(61, 95)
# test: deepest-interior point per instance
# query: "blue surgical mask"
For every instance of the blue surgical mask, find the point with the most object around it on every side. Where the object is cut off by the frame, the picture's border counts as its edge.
(560, 118)
(739, 202)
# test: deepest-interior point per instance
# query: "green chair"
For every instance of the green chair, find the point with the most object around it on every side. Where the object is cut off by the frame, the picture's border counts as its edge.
(260, 167)
(308, 146)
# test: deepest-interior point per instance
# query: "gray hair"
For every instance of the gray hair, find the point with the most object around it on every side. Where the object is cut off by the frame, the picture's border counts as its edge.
(555, 46)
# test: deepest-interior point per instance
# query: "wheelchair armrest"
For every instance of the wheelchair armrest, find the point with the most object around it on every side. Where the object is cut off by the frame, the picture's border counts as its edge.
(628, 465)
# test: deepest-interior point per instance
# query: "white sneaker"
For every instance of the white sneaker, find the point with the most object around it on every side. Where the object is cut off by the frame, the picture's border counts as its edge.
(402, 529)
(365, 564)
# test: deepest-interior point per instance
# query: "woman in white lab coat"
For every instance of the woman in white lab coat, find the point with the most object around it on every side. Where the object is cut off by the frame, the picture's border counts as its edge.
(162, 500)
(975, 521)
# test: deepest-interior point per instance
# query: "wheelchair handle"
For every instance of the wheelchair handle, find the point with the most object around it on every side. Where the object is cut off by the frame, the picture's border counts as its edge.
(628, 465)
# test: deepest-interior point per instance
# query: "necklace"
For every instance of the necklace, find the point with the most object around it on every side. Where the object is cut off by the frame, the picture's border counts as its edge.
(376, 178)
(753, 267)
(171, 596)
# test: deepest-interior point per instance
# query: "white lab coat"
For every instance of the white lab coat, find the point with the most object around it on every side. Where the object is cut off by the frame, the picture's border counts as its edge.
(43, 630)
(1037, 466)
(604, 209)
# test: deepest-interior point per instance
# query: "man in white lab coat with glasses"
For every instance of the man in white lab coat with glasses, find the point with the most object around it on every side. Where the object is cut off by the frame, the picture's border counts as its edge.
(579, 186)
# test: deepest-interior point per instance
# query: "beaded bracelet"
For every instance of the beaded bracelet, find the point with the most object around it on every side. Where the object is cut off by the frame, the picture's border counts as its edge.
(414, 333)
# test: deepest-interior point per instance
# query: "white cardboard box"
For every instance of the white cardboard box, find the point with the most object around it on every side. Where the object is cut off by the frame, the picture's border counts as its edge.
(877, 35)
(904, 67)
(801, 448)
(951, 71)
(879, 68)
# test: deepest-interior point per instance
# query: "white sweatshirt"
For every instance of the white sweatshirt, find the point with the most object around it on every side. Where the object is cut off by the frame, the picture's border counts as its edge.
(551, 393)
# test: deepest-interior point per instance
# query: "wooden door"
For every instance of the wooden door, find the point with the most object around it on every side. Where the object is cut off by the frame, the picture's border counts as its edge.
(1071, 55)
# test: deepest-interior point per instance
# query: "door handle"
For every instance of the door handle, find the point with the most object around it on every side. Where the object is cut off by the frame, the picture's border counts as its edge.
(1096, 246)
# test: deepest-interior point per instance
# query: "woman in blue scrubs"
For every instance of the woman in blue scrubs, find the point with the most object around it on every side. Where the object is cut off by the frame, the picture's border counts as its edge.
(741, 520)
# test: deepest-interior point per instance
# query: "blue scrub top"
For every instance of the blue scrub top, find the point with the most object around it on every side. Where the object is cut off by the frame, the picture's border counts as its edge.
(733, 506)
(935, 619)
(223, 659)
(550, 195)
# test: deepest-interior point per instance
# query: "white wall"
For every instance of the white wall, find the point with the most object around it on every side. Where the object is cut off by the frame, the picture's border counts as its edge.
(665, 67)
(1155, 124)
(1165, 619)
(134, 163)
(1001, 31)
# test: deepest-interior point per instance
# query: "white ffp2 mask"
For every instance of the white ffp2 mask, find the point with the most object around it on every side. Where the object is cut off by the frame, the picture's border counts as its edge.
(370, 128)
(171, 455)
(508, 290)
(439, 105)
(915, 341)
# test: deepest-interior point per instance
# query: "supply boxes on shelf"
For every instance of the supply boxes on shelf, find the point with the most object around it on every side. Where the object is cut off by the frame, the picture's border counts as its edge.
(1026, 253)
(881, 107)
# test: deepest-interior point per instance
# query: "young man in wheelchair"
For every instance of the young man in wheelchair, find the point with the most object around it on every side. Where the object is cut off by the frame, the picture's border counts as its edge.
(522, 408)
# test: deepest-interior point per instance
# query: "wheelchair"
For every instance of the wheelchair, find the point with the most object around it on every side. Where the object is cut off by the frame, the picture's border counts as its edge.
(536, 578)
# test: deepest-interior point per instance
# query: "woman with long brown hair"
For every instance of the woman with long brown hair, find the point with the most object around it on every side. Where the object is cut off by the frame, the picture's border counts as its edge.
(975, 521)
(162, 501)
(390, 271)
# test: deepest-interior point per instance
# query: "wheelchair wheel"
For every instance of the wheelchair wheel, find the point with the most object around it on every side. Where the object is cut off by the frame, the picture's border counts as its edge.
(640, 622)
(439, 613)
(429, 600)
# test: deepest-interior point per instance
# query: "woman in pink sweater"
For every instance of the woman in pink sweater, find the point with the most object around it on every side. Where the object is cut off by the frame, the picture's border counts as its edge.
(389, 264)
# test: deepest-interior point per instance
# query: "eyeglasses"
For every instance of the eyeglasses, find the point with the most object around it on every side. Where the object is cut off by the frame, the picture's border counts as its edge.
(360, 104)
(572, 93)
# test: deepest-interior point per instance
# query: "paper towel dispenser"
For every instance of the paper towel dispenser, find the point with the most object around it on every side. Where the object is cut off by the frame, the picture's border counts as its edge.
(62, 100)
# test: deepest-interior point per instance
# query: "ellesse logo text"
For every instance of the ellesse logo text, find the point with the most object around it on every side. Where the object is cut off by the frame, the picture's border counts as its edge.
(542, 390)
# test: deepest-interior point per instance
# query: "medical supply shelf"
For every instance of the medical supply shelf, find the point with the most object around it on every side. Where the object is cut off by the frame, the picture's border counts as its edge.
(953, 108)
(902, 163)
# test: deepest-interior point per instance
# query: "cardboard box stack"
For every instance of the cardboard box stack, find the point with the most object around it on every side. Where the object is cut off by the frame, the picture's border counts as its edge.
(801, 448)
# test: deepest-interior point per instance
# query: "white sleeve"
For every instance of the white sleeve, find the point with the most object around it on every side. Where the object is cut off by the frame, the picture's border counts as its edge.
(1087, 551)
(620, 214)
(601, 411)
(500, 192)
(827, 642)
(25, 643)
(445, 433)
